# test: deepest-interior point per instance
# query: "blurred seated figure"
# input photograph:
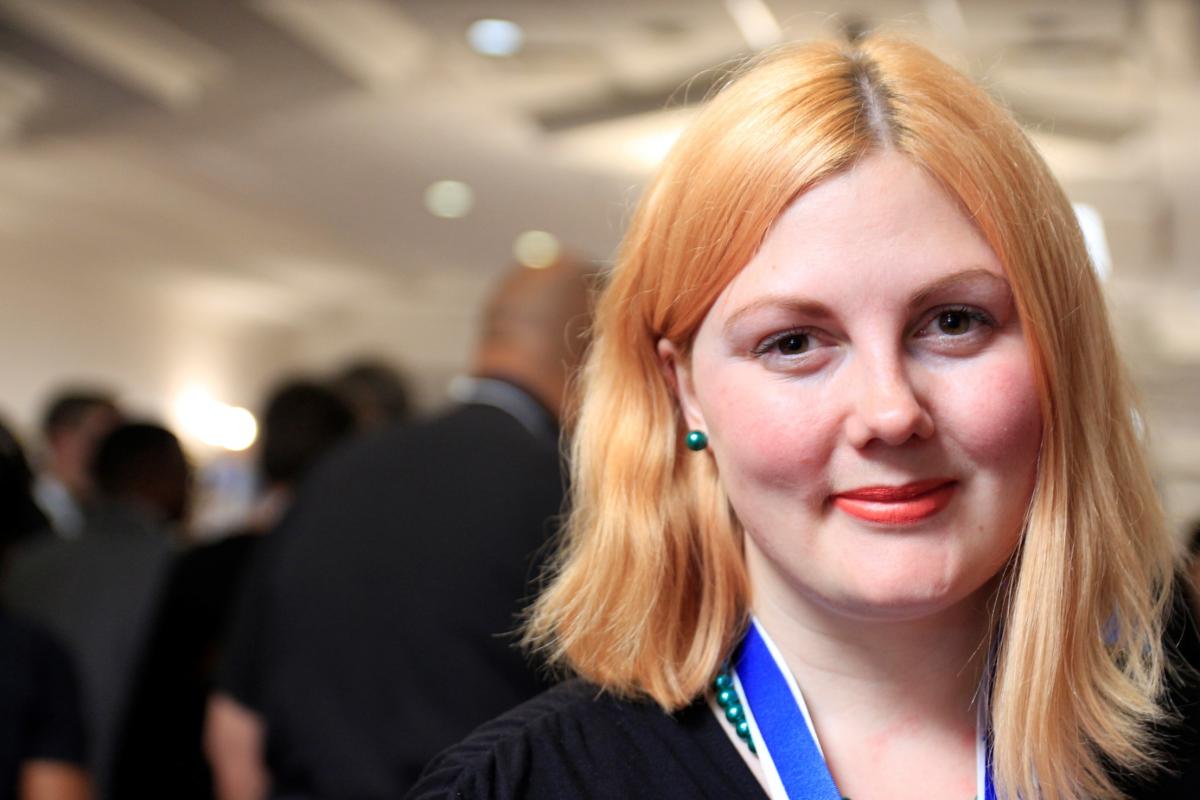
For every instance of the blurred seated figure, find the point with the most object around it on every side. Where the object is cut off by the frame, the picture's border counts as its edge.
(161, 754)
(74, 423)
(42, 745)
(371, 630)
(98, 592)
(377, 394)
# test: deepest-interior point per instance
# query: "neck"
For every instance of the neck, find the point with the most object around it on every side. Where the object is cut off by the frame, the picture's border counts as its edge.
(881, 672)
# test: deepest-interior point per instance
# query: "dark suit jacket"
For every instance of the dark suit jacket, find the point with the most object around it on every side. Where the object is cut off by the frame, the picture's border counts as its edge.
(376, 628)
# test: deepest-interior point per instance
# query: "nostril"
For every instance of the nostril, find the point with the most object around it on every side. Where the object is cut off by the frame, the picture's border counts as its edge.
(893, 416)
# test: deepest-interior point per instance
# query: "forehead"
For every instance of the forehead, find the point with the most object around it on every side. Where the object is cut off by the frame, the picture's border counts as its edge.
(885, 225)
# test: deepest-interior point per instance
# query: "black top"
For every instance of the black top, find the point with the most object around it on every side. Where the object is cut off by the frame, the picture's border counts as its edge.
(39, 703)
(161, 752)
(372, 630)
(573, 743)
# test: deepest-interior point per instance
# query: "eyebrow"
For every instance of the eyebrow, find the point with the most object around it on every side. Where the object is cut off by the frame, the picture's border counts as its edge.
(819, 311)
(959, 280)
(807, 308)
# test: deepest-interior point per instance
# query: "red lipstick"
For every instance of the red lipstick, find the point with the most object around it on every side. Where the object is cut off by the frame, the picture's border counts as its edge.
(897, 505)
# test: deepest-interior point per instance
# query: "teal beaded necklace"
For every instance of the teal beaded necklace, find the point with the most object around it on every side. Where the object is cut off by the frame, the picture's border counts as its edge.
(728, 700)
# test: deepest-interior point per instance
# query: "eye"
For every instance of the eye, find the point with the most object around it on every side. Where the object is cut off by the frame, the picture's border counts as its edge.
(791, 344)
(957, 322)
(954, 322)
(787, 343)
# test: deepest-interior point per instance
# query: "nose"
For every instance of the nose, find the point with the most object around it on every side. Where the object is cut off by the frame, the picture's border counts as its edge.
(884, 406)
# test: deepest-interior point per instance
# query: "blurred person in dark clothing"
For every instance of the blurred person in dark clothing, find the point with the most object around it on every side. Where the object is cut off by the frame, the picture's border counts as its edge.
(378, 394)
(372, 633)
(42, 742)
(98, 592)
(302, 421)
(42, 747)
(1193, 568)
(21, 517)
(161, 753)
(74, 423)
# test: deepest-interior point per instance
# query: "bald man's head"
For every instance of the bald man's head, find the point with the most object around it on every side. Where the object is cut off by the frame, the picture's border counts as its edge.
(534, 329)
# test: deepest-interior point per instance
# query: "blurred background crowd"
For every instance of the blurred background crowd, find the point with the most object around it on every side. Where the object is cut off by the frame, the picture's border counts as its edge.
(240, 237)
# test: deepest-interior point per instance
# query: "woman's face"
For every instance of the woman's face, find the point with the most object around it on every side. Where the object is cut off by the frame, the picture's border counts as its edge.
(869, 399)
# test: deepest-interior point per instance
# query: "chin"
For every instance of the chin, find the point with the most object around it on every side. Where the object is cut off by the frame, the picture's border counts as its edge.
(899, 598)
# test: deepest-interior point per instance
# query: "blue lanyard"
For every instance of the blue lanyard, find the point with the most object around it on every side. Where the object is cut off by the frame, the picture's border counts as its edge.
(787, 746)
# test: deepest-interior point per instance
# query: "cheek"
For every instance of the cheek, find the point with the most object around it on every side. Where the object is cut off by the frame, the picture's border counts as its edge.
(765, 429)
(996, 416)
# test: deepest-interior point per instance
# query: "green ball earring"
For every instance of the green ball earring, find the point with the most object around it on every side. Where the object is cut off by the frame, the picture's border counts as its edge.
(696, 441)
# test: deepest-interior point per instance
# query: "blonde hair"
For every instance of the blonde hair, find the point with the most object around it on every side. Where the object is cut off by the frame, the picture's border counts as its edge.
(649, 592)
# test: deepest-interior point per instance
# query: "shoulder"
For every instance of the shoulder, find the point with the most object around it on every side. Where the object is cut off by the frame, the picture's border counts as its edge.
(539, 736)
(428, 466)
(574, 741)
(470, 429)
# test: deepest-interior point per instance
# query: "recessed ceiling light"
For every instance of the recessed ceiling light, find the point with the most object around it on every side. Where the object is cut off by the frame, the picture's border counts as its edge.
(536, 249)
(495, 37)
(449, 199)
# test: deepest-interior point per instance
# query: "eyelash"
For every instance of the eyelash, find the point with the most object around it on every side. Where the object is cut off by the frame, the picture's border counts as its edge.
(974, 314)
(970, 312)
(764, 347)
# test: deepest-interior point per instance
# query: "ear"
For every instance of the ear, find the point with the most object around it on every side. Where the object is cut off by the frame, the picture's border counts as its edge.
(678, 373)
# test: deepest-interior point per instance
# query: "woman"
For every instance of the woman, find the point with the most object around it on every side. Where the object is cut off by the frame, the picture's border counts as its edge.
(855, 444)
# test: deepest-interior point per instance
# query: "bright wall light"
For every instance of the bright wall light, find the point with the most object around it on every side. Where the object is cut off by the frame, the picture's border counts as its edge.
(218, 424)
(637, 143)
(754, 19)
(1094, 238)
(495, 37)
(449, 199)
(536, 249)
(650, 149)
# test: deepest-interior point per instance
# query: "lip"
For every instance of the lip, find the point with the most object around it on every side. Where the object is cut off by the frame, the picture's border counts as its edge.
(897, 505)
